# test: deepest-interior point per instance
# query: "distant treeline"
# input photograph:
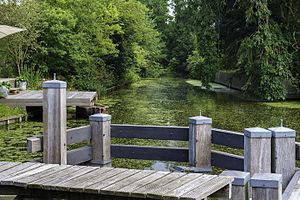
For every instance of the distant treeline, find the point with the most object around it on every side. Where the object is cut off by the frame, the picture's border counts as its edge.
(97, 44)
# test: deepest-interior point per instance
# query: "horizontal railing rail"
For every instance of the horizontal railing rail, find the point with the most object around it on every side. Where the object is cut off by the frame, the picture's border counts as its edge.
(220, 137)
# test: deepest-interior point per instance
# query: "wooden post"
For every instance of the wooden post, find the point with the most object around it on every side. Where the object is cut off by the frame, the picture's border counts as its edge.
(257, 150)
(283, 153)
(101, 140)
(200, 143)
(239, 189)
(266, 186)
(54, 118)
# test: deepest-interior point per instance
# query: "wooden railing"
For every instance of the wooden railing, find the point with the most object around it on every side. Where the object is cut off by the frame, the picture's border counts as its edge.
(176, 154)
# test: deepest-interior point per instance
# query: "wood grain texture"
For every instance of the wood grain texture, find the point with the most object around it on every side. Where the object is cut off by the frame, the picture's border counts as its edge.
(292, 192)
(79, 134)
(200, 145)
(101, 142)
(63, 181)
(239, 192)
(266, 194)
(35, 98)
(257, 155)
(54, 120)
(283, 158)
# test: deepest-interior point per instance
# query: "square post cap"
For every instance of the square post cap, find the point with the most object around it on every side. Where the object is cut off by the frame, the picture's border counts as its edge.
(54, 84)
(200, 120)
(282, 132)
(266, 180)
(100, 118)
(240, 178)
(257, 133)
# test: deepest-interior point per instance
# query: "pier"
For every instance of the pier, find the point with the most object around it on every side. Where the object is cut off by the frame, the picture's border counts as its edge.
(265, 171)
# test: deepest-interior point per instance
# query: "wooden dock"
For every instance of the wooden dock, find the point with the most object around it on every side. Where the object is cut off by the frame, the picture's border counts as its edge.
(35, 98)
(46, 180)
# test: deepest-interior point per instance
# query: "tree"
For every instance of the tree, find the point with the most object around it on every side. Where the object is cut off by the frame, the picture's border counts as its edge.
(19, 47)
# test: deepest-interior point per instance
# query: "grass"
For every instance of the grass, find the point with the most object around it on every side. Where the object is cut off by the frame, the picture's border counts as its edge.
(283, 104)
(6, 111)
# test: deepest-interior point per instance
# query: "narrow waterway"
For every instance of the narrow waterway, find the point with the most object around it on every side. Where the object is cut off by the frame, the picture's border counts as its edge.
(171, 101)
(164, 101)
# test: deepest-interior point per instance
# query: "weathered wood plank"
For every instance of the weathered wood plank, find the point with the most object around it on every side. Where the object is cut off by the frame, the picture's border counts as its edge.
(34, 98)
(163, 191)
(59, 182)
(9, 165)
(80, 180)
(227, 160)
(195, 184)
(15, 170)
(24, 182)
(95, 177)
(40, 168)
(76, 135)
(79, 155)
(111, 189)
(127, 190)
(228, 138)
(142, 192)
(210, 187)
(150, 132)
(38, 184)
(150, 153)
(293, 187)
(95, 188)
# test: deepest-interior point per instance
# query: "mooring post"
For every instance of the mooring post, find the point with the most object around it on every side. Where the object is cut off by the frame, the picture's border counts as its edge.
(257, 150)
(266, 186)
(240, 184)
(54, 119)
(200, 142)
(101, 140)
(283, 153)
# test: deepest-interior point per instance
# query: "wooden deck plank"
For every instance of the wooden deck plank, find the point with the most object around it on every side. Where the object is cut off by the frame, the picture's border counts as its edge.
(196, 183)
(6, 166)
(29, 173)
(127, 190)
(207, 189)
(125, 182)
(34, 98)
(38, 184)
(142, 192)
(95, 177)
(59, 182)
(15, 170)
(95, 188)
(114, 182)
(24, 182)
(164, 190)
(80, 180)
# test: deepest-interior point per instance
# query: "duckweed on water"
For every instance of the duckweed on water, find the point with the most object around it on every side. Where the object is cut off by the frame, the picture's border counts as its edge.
(6, 111)
(164, 101)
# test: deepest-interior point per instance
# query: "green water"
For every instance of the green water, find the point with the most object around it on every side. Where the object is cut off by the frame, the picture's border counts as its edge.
(171, 101)
(165, 101)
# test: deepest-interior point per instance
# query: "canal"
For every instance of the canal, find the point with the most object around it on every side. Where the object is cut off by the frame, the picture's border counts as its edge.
(164, 101)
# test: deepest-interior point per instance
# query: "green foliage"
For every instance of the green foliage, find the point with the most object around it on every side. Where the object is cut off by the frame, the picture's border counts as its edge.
(19, 48)
(93, 45)
(5, 84)
(264, 56)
